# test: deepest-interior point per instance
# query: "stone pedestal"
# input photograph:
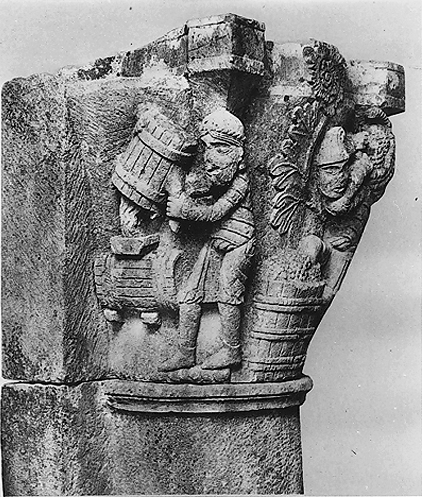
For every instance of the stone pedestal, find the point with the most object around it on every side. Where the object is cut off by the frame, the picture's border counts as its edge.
(177, 221)
(142, 438)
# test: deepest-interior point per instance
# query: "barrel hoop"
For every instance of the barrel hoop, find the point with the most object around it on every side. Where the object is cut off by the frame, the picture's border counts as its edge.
(165, 151)
(277, 337)
(133, 283)
(283, 331)
(290, 306)
(276, 368)
(131, 183)
(279, 360)
(283, 301)
(286, 287)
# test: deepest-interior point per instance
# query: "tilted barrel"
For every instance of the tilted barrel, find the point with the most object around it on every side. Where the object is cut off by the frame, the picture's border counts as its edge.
(149, 167)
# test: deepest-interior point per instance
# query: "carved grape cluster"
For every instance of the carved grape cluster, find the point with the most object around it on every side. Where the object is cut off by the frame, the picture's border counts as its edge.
(381, 149)
(294, 267)
(328, 74)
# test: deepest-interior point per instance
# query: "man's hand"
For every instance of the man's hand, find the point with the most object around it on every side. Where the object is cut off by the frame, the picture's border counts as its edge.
(361, 140)
(174, 206)
(342, 243)
(339, 206)
(311, 246)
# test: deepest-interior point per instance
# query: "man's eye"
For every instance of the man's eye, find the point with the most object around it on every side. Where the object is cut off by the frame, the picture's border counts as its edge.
(223, 150)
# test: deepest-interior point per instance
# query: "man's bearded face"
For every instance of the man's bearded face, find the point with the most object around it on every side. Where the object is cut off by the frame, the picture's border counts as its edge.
(220, 160)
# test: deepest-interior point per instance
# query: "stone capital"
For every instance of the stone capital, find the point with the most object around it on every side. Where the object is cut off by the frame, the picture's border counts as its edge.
(177, 221)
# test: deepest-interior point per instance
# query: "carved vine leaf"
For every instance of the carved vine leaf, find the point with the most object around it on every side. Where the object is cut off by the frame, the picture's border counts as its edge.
(287, 202)
(328, 74)
(304, 120)
(288, 171)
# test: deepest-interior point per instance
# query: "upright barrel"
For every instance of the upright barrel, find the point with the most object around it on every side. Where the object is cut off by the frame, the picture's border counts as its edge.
(286, 313)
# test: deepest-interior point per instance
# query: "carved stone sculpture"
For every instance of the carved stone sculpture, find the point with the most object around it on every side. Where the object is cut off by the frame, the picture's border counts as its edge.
(205, 215)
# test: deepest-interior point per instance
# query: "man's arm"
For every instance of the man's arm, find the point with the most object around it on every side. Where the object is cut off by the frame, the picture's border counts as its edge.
(183, 207)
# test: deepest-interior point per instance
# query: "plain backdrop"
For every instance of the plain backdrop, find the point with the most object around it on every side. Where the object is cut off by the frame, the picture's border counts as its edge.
(361, 423)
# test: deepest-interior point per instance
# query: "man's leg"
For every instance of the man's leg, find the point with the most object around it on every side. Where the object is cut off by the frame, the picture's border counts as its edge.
(230, 353)
(184, 357)
(233, 275)
(190, 312)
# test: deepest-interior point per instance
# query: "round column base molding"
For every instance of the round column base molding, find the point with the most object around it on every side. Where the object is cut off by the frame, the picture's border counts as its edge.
(147, 397)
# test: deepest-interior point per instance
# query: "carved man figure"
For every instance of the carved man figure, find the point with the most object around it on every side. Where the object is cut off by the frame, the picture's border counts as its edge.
(351, 174)
(220, 197)
(341, 173)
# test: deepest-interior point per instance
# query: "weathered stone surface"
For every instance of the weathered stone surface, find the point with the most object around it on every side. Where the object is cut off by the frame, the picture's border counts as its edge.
(225, 42)
(177, 221)
(33, 133)
(379, 84)
(33, 438)
(235, 397)
(83, 440)
(230, 462)
(62, 438)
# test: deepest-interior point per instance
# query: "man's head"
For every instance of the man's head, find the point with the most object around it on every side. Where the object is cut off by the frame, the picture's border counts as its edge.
(332, 161)
(222, 135)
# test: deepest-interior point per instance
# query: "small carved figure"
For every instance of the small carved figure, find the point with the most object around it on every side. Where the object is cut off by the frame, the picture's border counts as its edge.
(342, 169)
(352, 172)
(219, 196)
